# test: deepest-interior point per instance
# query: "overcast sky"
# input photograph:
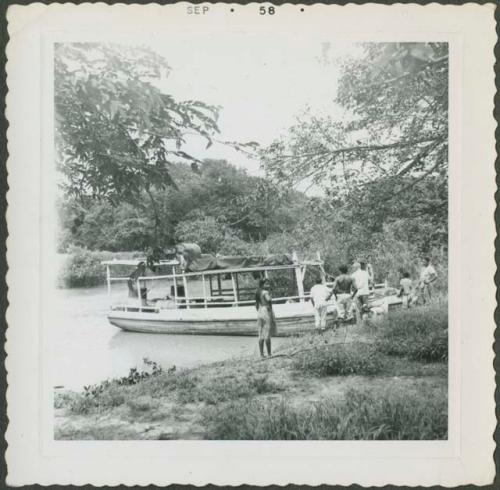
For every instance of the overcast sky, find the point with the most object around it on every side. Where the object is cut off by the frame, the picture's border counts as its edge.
(262, 84)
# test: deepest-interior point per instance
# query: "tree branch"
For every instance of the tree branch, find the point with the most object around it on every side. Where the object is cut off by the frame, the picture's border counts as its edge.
(418, 158)
(399, 144)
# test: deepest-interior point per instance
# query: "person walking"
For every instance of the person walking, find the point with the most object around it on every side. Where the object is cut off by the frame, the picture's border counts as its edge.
(361, 291)
(428, 276)
(320, 295)
(342, 288)
(266, 322)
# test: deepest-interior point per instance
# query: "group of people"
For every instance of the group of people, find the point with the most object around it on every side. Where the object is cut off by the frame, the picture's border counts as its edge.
(349, 295)
(349, 290)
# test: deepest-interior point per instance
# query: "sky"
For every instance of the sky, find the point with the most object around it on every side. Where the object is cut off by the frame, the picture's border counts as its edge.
(261, 83)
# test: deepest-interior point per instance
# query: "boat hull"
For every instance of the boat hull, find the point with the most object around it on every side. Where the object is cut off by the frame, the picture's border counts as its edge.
(291, 320)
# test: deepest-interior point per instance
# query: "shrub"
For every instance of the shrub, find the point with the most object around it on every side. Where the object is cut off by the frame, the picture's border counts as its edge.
(420, 333)
(360, 415)
(340, 359)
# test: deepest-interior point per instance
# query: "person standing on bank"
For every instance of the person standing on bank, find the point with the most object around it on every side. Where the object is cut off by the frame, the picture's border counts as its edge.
(266, 322)
(427, 277)
(361, 291)
(342, 288)
(320, 294)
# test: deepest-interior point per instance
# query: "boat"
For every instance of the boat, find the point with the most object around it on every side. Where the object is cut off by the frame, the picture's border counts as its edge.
(214, 295)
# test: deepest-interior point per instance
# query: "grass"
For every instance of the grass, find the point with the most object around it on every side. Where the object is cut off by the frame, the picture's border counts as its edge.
(359, 415)
(141, 392)
(227, 388)
(419, 333)
(340, 359)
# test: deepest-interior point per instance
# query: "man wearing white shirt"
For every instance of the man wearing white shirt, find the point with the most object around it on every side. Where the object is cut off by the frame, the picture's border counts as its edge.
(361, 290)
(427, 277)
(320, 295)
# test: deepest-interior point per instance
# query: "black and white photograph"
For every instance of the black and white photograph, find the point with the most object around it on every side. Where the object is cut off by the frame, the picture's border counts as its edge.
(257, 238)
(252, 253)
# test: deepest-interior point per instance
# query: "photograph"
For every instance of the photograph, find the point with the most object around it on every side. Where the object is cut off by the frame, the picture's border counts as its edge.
(250, 244)
(252, 238)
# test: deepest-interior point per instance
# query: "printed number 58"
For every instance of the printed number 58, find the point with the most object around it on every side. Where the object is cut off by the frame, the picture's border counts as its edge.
(269, 10)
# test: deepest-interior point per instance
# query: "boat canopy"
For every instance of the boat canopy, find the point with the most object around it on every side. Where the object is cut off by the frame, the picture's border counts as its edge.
(136, 262)
(209, 262)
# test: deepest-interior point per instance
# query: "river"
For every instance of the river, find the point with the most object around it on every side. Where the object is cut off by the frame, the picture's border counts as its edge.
(87, 349)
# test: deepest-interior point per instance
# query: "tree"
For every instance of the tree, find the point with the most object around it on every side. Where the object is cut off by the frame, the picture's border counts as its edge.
(116, 132)
(395, 125)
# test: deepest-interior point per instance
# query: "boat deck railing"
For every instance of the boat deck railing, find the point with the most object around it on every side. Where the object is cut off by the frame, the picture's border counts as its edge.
(199, 302)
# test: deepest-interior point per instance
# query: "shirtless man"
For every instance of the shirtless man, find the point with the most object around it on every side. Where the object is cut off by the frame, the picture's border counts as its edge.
(342, 287)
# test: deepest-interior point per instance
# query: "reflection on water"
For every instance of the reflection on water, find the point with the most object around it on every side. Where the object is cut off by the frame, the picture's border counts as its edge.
(86, 349)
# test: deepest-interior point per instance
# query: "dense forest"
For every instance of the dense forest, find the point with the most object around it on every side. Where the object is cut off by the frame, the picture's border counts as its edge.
(380, 174)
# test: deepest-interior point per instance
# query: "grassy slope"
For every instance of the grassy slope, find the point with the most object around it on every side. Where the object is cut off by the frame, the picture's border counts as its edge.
(300, 393)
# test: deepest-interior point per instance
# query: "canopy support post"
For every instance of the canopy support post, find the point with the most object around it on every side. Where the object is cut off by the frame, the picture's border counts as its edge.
(139, 296)
(233, 282)
(186, 296)
(175, 286)
(204, 290)
(298, 277)
(108, 280)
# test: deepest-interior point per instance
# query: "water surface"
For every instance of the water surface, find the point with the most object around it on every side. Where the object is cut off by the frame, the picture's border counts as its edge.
(87, 349)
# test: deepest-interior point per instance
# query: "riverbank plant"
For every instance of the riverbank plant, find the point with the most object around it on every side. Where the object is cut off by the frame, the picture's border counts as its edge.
(109, 393)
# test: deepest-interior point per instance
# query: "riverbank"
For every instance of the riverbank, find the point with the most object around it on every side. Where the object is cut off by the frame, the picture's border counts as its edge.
(382, 381)
(82, 268)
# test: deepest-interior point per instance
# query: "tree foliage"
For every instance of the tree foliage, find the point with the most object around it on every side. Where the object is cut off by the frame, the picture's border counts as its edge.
(116, 131)
(395, 125)
(220, 207)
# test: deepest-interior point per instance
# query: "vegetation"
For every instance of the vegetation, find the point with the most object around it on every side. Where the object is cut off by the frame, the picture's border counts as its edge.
(340, 359)
(363, 414)
(83, 268)
(393, 133)
(116, 131)
(109, 393)
(420, 333)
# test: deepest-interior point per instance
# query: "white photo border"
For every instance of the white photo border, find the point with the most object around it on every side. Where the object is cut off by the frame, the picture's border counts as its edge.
(466, 457)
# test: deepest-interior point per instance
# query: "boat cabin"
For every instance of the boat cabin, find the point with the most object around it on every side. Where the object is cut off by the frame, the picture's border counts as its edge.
(210, 281)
